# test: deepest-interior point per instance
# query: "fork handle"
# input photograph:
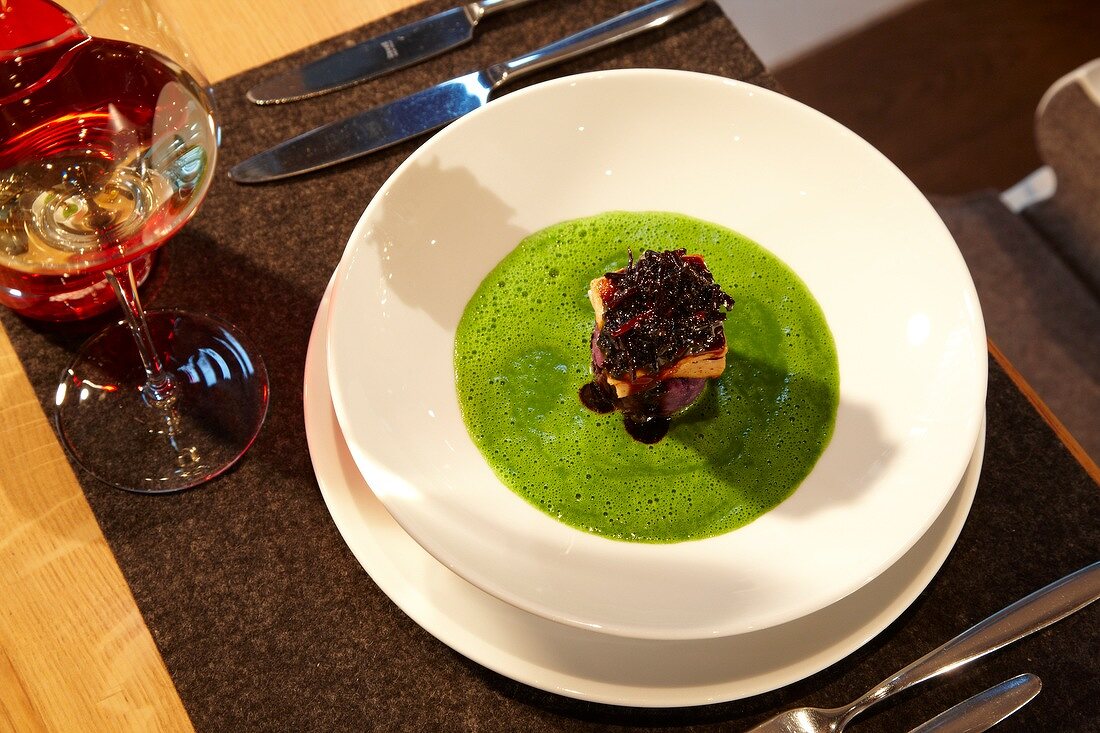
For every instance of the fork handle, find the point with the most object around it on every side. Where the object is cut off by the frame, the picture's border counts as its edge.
(1027, 615)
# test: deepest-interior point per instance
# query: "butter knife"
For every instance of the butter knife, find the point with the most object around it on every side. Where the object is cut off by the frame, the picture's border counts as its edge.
(372, 58)
(432, 108)
(986, 709)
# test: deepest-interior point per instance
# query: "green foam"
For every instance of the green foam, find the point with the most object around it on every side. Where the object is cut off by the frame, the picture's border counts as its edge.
(522, 354)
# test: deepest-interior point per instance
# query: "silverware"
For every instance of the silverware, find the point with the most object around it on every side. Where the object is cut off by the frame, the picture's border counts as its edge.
(388, 52)
(986, 709)
(436, 106)
(1036, 611)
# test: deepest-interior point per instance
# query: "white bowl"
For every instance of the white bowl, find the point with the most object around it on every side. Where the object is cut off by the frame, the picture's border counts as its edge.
(583, 664)
(888, 276)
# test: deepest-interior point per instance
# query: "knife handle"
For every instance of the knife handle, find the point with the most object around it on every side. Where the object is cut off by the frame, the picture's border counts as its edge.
(986, 709)
(632, 22)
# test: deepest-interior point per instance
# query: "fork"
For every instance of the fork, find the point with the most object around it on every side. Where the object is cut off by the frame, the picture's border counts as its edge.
(1025, 616)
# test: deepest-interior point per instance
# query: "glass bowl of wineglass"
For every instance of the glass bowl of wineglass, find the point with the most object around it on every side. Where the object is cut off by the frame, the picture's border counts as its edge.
(108, 143)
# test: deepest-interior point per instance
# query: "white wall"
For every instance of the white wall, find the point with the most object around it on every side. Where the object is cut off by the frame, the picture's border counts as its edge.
(781, 30)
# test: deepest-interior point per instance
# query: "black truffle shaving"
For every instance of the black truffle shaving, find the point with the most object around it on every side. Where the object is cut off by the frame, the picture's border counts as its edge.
(658, 310)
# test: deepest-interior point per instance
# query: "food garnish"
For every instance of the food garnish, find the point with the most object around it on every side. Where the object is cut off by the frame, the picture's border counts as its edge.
(658, 339)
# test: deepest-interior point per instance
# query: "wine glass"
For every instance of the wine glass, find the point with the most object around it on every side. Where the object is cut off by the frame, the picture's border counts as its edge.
(107, 147)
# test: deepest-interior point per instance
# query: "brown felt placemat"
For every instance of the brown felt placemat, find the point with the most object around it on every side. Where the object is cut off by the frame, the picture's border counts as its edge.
(265, 620)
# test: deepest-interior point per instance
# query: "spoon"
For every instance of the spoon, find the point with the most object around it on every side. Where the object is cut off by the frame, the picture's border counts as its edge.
(986, 709)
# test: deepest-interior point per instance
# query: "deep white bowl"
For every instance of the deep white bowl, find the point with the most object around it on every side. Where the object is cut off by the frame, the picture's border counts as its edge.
(891, 282)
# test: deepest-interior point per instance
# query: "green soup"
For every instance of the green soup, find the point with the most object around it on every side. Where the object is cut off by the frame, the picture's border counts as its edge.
(522, 354)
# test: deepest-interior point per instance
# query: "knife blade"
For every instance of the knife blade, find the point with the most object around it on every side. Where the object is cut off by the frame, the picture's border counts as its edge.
(372, 58)
(430, 109)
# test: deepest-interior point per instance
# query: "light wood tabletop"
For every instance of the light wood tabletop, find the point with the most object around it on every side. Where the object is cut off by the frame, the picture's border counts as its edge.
(75, 653)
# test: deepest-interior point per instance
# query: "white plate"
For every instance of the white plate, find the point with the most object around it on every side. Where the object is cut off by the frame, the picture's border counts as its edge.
(886, 272)
(584, 664)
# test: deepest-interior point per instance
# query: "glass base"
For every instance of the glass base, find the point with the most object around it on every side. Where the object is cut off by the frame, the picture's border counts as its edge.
(113, 427)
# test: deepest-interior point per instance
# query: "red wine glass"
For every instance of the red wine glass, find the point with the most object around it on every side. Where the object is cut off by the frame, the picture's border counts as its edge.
(107, 147)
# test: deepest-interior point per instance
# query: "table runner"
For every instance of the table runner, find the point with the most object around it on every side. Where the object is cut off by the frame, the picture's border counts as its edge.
(266, 621)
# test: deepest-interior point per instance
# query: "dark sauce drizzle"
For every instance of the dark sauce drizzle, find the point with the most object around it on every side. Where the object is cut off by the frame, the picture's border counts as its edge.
(596, 399)
(648, 430)
(643, 428)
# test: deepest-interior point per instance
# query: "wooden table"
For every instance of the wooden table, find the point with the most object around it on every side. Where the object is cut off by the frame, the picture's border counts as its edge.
(74, 651)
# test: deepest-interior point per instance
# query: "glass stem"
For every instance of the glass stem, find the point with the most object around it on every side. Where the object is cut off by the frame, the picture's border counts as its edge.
(158, 383)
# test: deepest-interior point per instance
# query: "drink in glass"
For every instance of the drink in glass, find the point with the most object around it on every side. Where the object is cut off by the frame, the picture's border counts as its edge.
(107, 147)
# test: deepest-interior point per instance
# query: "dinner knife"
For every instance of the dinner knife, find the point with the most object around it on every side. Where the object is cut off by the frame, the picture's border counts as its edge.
(388, 52)
(432, 108)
